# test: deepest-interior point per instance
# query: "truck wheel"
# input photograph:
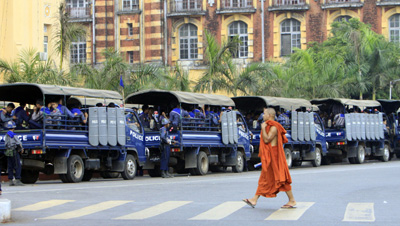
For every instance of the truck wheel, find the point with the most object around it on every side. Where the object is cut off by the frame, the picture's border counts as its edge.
(130, 168)
(109, 175)
(75, 169)
(29, 176)
(326, 160)
(154, 172)
(202, 164)
(87, 176)
(386, 154)
(289, 157)
(297, 163)
(318, 157)
(360, 155)
(63, 178)
(238, 168)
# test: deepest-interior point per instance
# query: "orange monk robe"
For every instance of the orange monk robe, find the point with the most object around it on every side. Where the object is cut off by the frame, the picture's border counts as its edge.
(275, 175)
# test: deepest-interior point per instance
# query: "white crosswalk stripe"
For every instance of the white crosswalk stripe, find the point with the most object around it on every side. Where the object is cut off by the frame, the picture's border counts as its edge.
(87, 210)
(221, 211)
(154, 210)
(43, 205)
(355, 212)
(359, 212)
(291, 214)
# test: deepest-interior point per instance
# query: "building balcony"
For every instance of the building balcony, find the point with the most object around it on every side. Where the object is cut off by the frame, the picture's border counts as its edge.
(388, 3)
(186, 8)
(288, 5)
(128, 7)
(79, 14)
(236, 6)
(332, 4)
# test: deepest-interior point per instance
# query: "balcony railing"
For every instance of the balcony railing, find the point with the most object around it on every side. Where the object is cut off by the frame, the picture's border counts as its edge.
(78, 12)
(289, 2)
(185, 6)
(341, 1)
(237, 4)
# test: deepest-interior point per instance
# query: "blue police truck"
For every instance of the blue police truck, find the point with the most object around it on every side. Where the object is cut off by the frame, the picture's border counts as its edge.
(355, 130)
(110, 141)
(305, 129)
(391, 121)
(203, 143)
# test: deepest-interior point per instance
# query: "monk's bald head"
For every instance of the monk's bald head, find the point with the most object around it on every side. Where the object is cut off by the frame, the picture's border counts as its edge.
(269, 114)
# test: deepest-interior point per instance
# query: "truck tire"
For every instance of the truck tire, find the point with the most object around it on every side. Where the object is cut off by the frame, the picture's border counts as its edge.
(289, 157)
(238, 168)
(386, 154)
(202, 164)
(130, 168)
(87, 176)
(75, 169)
(109, 175)
(154, 172)
(29, 176)
(297, 163)
(326, 160)
(63, 178)
(360, 158)
(318, 157)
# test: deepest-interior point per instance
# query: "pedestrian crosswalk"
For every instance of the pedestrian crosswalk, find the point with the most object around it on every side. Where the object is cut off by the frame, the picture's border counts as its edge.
(353, 212)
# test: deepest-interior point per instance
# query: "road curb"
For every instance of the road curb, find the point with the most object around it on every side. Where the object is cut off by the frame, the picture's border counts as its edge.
(5, 210)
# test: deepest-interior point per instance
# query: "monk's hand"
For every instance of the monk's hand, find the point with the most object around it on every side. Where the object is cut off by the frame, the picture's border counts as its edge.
(263, 125)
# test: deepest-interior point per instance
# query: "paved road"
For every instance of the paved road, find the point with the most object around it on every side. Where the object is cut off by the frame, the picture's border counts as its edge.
(339, 194)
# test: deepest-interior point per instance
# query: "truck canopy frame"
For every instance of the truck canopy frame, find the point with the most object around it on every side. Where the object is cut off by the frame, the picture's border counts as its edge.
(350, 102)
(30, 92)
(249, 102)
(390, 106)
(161, 97)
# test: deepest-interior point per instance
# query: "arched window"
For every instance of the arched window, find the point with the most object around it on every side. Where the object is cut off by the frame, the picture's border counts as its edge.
(188, 42)
(394, 28)
(290, 36)
(342, 18)
(239, 28)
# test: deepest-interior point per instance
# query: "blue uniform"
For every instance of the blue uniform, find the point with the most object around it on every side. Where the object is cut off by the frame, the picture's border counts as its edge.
(144, 118)
(4, 118)
(21, 115)
(175, 116)
(196, 113)
(166, 148)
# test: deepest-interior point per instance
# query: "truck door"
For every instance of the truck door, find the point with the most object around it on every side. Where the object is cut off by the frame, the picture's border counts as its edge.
(320, 132)
(135, 134)
(244, 134)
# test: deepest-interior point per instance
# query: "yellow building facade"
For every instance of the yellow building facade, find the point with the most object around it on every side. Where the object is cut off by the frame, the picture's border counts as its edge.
(26, 24)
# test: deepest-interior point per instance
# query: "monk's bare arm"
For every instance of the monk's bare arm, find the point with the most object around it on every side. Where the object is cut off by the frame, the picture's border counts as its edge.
(267, 138)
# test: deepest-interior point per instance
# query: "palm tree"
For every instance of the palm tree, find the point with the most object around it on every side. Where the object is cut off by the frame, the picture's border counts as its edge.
(218, 59)
(29, 68)
(107, 75)
(66, 32)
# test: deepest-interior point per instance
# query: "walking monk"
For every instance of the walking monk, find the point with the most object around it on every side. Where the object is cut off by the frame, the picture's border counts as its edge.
(275, 175)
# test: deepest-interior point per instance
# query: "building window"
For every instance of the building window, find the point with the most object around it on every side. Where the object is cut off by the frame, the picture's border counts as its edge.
(342, 18)
(130, 4)
(78, 52)
(239, 28)
(78, 3)
(394, 28)
(290, 36)
(130, 29)
(130, 57)
(45, 43)
(188, 42)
